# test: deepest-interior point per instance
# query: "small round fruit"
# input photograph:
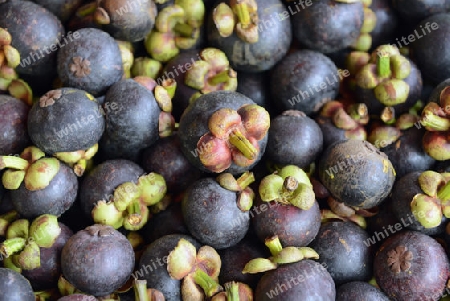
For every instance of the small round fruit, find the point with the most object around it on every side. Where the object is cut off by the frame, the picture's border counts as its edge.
(91, 62)
(411, 266)
(356, 173)
(14, 125)
(97, 260)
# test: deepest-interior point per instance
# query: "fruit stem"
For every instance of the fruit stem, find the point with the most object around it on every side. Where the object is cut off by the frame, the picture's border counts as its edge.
(140, 290)
(232, 290)
(134, 213)
(243, 14)
(245, 179)
(383, 65)
(219, 78)
(13, 162)
(208, 284)
(433, 122)
(184, 30)
(237, 139)
(274, 245)
(444, 192)
(12, 245)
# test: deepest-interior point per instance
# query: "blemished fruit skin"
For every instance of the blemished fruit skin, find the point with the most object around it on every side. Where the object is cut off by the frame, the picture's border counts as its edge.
(304, 280)
(356, 173)
(14, 286)
(341, 247)
(411, 266)
(97, 260)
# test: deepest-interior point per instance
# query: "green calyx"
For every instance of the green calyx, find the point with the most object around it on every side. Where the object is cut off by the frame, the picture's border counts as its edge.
(9, 80)
(240, 185)
(385, 73)
(32, 168)
(203, 266)
(78, 160)
(23, 241)
(145, 66)
(279, 256)
(129, 205)
(211, 73)
(433, 203)
(177, 26)
(240, 17)
(290, 185)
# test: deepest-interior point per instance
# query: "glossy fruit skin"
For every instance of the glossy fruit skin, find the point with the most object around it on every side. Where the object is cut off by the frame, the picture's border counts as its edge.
(194, 124)
(304, 280)
(132, 125)
(433, 64)
(75, 121)
(25, 21)
(327, 25)
(101, 64)
(407, 154)
(296, 78)
(14, 125)
(356, 173)
(54, 199)
(404, 190)
(212, 216)
(293, 139)
(275, 37)
(359, 290)
(153, 266)
(167, 159)
(47, 275)
(426, 277)
(97, 260)
(295, 227)
(100, 183)
(14, 286)
(341, 247)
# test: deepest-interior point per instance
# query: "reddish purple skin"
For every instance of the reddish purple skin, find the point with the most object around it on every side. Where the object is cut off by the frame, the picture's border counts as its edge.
(427, 275)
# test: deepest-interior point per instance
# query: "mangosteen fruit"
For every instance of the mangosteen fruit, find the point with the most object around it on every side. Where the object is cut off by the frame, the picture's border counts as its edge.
(97, 260)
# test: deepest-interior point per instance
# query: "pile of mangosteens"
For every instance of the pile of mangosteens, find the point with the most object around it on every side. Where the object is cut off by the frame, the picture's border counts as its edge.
(233, 150)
